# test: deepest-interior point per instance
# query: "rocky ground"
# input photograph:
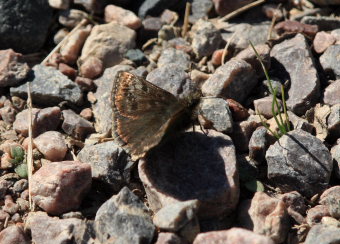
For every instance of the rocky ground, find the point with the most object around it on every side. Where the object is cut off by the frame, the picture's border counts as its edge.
(227, 179)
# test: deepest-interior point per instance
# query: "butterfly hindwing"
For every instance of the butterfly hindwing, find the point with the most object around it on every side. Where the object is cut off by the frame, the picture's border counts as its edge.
(142, 112)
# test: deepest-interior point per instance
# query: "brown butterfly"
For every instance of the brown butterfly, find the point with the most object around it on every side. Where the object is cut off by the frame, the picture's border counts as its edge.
(143, 113)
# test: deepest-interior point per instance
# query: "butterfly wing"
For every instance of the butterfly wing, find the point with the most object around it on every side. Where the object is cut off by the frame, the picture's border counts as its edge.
(142, 112)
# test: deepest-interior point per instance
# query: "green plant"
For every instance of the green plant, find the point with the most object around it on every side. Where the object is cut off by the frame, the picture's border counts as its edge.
(283, 125)
(18, 160)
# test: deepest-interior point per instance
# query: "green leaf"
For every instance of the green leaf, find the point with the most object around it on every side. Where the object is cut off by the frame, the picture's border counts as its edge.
(254, 185)
(18, 153)
(22, 170)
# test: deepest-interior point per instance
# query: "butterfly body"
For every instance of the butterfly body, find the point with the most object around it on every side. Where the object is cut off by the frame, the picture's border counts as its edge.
(143, 113)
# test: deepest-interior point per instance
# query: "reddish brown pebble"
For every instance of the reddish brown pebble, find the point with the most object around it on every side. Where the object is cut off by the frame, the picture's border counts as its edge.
(54, 60)
(216, 58)
(91, 68)
(86, 113)
(238, 111)
(68, 71)
(296, 27)
(322, 41)
(85, 84)
(122, 16)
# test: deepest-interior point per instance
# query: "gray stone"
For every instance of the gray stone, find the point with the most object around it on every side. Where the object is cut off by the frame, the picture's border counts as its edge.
(155, 7)
(200, 9)
(250, 57)
(12, 68)
(136, 56)
(259, 143)
(50, 87)
(294, 61)
(256, 33)
(332, 93)
(243, 130)
(76, 126)
(174, 79)
(215, 113)
(174, 56)
(235, 79)
(124, 219)
(102, 109)
(324, 23)
(52, 230)
(179, 217)
(205, 38)
(175, 216)
(203, 168)
(299, 161)
(330, 59)
(323, 234)
(333, 122)
(109, 163)
(24, 24)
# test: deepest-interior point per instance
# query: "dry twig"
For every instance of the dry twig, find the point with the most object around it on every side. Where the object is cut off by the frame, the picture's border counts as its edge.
(186, 19)
(241, 10)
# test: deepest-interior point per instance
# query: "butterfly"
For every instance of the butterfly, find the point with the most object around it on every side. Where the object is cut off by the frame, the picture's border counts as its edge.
(144, 113)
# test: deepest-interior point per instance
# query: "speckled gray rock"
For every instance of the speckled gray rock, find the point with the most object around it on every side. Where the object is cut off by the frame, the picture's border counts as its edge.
(52, 230)
(299, 161)
(332, 93)
(179, 217)
(102, 109)
(215, 113)
(155, 7)
(256, 33)
(330, 59)
(124, 219)
(174, 216)
(50, 87)
(172, 55)
(243, 131)
(205, 38)
(24, 24)
(300, 123)
(235, 79)
(203, 168)
(76, 126)
(323, 234)
(174, 79)
(109, 163)
(200, 9)
(258, 143)
(333, 122)
(294, 61)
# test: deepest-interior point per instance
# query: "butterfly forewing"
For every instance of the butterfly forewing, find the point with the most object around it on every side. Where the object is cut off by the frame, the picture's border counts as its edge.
(142, 112)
